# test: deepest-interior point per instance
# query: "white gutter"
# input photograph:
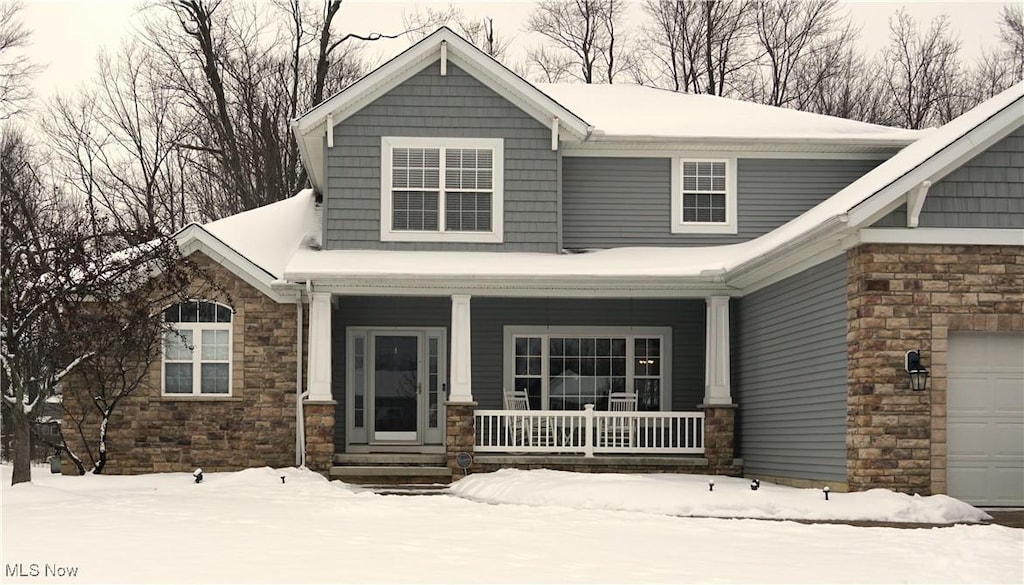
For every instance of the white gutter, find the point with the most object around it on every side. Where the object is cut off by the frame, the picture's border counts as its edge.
(832, 224)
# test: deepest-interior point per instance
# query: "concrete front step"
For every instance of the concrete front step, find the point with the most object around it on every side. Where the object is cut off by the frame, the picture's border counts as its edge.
(390, 459)
(405, 489)
(391, 474)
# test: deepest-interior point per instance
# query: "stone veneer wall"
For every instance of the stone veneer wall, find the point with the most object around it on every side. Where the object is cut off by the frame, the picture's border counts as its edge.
(903, 297)
(319, 419)
(720, 439)
(253, 427)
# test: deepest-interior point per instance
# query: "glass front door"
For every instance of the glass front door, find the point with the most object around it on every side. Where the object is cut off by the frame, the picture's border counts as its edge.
(396, 387)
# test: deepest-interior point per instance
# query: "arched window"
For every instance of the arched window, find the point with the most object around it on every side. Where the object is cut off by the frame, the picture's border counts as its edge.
(197, 349)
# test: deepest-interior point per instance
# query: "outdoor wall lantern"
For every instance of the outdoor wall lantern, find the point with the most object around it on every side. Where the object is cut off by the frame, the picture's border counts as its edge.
(918, 373)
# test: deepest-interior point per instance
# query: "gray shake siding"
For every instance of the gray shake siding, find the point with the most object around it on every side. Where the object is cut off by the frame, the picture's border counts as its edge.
(458, 106)
(491, 315)
(987, 192)
(789, 375)
(611, 202)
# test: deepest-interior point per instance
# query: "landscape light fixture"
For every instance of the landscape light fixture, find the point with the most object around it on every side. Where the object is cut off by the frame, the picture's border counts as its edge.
(918, 373)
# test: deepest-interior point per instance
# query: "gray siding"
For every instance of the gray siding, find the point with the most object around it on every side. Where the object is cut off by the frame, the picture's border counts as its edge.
(375, 312)
(489, 317)
(987, 192)
(789, 375)
(457, 106)
(610, 202)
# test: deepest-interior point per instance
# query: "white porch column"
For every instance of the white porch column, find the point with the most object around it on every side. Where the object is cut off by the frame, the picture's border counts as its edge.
(461, 374)
(716, 351)
(320, 347)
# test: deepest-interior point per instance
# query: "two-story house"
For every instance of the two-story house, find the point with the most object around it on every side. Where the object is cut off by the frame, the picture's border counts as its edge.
(751, 278)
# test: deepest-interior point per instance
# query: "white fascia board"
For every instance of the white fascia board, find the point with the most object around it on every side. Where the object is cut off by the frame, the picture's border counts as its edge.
(939, 164)
(948, 236)
(195, 238)
(746, 150)
(599, 139)
(779, 269)
(312, 156)
(810, 246)
(563, 287)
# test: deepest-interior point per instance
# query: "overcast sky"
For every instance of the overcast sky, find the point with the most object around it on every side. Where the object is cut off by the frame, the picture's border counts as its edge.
(68, 34)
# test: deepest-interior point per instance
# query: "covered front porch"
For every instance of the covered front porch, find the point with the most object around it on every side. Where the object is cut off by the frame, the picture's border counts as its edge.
(463, 352)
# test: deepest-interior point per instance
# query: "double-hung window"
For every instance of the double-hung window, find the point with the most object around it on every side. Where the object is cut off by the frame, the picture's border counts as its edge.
(566, 369)
(442, 189)
(704, 196)
(197, 349)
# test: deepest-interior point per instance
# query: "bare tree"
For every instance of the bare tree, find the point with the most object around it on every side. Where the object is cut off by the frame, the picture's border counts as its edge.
(16, 69)
(922, 72)
(57, 263)
(789, 33)
(1011, 36)
(240, 73)
(117, 145)
(479, 31)
(999, 68)
(551, 66)
(585, 30)
(700, 47)
(840, 81)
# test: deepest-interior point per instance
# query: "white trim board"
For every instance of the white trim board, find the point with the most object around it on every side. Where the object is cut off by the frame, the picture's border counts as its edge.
(950, 236)
(716, 150)
(496, 235)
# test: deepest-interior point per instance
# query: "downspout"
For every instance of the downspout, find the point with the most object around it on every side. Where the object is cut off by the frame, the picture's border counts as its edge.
(300, 394)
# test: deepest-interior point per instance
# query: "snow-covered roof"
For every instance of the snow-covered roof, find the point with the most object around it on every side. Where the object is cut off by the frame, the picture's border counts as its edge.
(276, 237)
(624, 111)
(595, 113)
(269, 235)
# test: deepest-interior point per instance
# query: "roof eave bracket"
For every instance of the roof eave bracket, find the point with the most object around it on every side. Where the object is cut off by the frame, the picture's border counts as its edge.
(915, 202)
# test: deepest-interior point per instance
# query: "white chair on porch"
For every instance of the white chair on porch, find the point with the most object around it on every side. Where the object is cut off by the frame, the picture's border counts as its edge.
(619, 429)
(517, 427)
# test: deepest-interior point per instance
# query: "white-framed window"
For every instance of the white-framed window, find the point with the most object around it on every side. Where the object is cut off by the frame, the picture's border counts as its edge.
(564, 368)
(442, 189)
(703, 196)
(197, 349)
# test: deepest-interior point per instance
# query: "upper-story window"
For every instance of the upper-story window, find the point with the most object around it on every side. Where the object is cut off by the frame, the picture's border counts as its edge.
(442, 189)
(197, 349)
(704, 196)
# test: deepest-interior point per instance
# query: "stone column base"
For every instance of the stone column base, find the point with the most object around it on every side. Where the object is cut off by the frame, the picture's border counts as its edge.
(319, 418)
(460, 433)
(720, 438)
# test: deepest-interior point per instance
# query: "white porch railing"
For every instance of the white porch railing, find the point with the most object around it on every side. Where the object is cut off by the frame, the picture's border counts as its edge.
(589, 431)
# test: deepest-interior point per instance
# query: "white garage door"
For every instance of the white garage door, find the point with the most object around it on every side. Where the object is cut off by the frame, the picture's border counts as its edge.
(985, 410)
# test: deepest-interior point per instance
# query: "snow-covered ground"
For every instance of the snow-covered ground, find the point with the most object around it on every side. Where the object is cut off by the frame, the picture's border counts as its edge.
(508, 527)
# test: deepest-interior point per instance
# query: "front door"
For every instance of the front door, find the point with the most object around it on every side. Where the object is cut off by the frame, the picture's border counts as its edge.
(395, 386)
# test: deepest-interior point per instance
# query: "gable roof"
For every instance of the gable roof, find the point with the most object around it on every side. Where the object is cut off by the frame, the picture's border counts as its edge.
(256, 245)
(635, 112)
(310, 128)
